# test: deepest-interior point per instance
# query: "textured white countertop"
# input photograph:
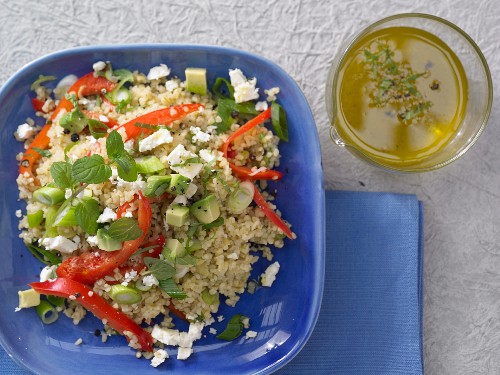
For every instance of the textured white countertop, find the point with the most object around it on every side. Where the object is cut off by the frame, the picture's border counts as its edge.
(462, 201)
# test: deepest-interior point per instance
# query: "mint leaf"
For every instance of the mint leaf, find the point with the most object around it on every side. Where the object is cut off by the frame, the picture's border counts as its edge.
(214, 224)
(97, 128)
(91, 170)
(42, 152)
(114, 145)
(172, 289)
(159, 268)
(124, 229)
(127, 170)
(61, 174)
(225, 109)
(233, 329)
(278, 119)
(86, 214)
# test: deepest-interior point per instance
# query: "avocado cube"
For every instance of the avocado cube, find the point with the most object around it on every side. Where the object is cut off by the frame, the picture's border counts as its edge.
(173, 249)
(28, 298)
(178, 184)
(196, 80)
(156, 185)
(206, 210)
(177, 215)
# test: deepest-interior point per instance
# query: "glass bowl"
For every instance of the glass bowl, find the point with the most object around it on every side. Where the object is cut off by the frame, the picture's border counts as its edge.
(479, 95)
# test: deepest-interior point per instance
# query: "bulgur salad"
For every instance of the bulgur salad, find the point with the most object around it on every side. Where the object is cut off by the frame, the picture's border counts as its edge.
(146, 199)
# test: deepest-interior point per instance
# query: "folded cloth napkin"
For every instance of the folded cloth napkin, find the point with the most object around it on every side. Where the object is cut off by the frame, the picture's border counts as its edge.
(371, 315)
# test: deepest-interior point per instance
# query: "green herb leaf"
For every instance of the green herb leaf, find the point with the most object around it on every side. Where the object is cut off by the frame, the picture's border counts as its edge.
(172, 289)
(159, 268)
(72, 99)
(278, 119)
(124, 229)
(86, 214)
(44, 256)
(193, 160)
(41, 152)
(126, 167)
(91, 170)
(61, 174)
(185, 260)
(114, 145)
(123, 75)
(214, 224)
(233, 329)
(97, 128)
(219, 81)
(41, 79)
(225, 109)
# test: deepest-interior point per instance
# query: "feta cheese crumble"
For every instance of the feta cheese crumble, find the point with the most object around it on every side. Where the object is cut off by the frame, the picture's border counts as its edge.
(198, 135)
(261, 106)
(156, 139)
(107, 216)
(250, 334)
(244, 89)
(159, 357)
(24, 131)
(60, 243)
(271, 94)
(269, 275)
(158, 72)
(178, 156)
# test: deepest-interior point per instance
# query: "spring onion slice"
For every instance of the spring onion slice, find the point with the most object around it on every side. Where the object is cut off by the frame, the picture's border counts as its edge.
(172, 289)
(125, 295)
(241, 197)
(233, 329)
(49, 195)
(35, 218)
(140, 285)
(47, 313)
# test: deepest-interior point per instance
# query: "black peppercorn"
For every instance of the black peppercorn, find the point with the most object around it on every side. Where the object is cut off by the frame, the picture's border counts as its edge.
(75, 137)
(66, 131)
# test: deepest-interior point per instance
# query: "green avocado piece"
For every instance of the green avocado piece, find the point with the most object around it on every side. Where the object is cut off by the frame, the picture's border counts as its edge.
(206, 210)
(157, 185)
(177, 215)
(173, 249)
(196, 80)
(178, 184)
(105, 242)
(149, 164)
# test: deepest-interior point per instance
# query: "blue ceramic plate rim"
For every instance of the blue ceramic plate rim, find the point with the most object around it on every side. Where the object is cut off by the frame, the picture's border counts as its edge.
(318, 260)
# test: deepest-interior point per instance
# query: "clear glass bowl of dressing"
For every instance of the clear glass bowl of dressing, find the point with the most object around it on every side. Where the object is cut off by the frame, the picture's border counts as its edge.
(409, 93)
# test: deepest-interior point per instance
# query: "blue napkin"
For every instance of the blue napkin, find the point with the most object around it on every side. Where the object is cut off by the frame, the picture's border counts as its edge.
(371, 316)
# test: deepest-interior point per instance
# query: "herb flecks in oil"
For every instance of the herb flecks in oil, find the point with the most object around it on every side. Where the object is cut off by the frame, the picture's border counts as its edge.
(395, 83)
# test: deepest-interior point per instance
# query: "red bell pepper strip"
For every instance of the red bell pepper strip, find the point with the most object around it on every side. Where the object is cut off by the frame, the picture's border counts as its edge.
(176, 311)
(163, 116)
(245, 172)
(155, 252)
(87, 85)
(271, 215)
(96, 116)
(63, 287)
(37, 104)
(87, 268)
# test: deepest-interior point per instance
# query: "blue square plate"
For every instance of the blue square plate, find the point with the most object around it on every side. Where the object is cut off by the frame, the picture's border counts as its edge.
(284, 315)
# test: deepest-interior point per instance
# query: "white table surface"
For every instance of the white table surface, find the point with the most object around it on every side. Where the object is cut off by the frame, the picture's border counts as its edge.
(462, 201)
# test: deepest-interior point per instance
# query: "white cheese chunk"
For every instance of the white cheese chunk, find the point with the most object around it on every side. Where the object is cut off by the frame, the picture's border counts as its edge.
(92, 241)
(271, 93)
(107, 216)
(178, 156)
(184, 353)
(261, 106)
(166, 336)
(24, 131)
(269, 275)
(98, 66)
(158, 72)
(159, 357)
(250, 334)
(156, 139)
(171, 85)
(244, 89)
(47, 273)
(198, 135)
(150, 280)
(60, 243)
(206, 155)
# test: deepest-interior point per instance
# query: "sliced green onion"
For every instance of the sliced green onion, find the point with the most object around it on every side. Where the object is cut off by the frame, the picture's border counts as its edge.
(56, 301)
(41, 79)
(172, 289)
(47, 313)
(233, 329)
(50, 215)
(241, 197)
(49, 195)
(66, 218)
(278, 119)
(125, 294)
(210, 299)
(35, 219)
(149, 164)
(140, 285)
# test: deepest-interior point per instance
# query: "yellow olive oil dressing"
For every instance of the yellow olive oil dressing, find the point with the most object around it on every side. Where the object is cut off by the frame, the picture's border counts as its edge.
(402, 96)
